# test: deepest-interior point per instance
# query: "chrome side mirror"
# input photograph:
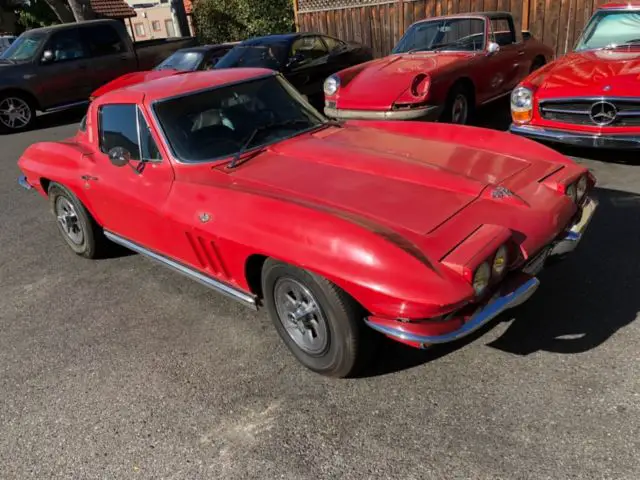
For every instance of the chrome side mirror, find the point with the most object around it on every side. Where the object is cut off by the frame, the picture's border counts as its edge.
(493, 48)
(47, 56)
(119, 156)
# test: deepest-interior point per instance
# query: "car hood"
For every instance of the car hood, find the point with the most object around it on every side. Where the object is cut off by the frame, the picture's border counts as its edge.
(591, 73)
(395, 180)
(378, 84)
(133, 79)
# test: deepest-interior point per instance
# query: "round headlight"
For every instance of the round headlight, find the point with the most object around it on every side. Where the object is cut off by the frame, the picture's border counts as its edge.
(482, 278)
(500, 261)
(521, 99)
(331, 85)
(582, 186)
(572, 192)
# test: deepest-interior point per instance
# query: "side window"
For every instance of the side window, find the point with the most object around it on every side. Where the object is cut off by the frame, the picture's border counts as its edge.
(332, 43)
(67, 45)
(501, 32)
(103, 40)
(309, 48)
(124, 126)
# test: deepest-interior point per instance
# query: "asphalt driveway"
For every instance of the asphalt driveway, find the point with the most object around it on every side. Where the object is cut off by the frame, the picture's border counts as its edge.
(122, 369)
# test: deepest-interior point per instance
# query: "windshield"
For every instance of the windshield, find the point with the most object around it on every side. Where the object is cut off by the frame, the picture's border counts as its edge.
(257, 56)
(181, 61)
(453, 34)
(25, 47)
(610, 30)
(217, 123)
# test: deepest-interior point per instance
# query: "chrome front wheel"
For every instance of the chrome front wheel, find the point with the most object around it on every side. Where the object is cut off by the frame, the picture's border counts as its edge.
(460, 109)
(68, 220)
(15, 113)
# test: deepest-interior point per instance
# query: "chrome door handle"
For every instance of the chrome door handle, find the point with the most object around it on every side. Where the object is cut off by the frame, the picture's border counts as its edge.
(87, 178)
(521, 53)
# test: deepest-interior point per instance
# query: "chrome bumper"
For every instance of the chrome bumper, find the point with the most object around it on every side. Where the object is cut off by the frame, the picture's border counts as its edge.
(482, 316)
(625, 142)
(572, 238)
(22, 181)
(432, 112)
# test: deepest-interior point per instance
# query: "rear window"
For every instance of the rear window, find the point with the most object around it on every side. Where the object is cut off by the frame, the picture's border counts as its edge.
(103, 40)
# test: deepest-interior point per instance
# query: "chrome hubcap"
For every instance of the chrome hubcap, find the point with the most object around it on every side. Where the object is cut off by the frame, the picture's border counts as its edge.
(460, 110)
(14, 112)
(68, 220)
(300, 314)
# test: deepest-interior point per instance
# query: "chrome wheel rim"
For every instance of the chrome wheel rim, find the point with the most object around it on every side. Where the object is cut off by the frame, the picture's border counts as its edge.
(301, 316)
(68, 220)
(14, 112)
(460, 109)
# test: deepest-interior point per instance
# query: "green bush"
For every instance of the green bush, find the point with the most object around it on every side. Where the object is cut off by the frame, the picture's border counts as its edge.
(218, 21)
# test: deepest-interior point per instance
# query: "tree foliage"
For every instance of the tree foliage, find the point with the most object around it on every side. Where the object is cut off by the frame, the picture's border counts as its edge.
(34, 14)
(220, 21)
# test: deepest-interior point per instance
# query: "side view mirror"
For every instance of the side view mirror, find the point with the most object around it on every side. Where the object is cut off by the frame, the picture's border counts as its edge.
(493, 48)
(119, 156)
(47, 56)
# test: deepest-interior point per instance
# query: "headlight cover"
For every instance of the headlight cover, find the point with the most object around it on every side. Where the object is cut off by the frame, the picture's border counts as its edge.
(500, 261)
(522, 99)
(481, 278)
(572, 192)
(331, 85)
(581, 187)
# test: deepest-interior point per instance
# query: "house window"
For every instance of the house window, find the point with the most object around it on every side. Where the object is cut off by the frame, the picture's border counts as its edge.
(139, 27)
(155, 25)
(171, 31)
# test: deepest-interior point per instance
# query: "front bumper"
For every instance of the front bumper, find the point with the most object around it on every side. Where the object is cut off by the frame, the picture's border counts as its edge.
(577, 139)
(22, 181)
(428, 113)
(515, 291)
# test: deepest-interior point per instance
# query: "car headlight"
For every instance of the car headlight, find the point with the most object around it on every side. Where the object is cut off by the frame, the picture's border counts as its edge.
(500, 261)
(331, 85)
(481, 278)
(572, 191)
(522, 105)
(581, 187)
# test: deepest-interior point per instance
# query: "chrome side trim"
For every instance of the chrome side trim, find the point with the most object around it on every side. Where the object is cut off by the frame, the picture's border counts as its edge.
(232, 292)
(563, 110)
(483, 316)
(498, 97)
(22, 181)
(429, 112)
(581, 139)
(67, 106)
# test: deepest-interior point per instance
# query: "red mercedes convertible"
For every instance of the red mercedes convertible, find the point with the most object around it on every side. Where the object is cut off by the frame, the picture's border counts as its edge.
(422, 232)
(589, 97)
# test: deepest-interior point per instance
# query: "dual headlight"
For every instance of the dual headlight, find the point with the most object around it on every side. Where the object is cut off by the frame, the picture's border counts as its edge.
(522, 105)
(494, 269)
(577, 190)
(331, 85)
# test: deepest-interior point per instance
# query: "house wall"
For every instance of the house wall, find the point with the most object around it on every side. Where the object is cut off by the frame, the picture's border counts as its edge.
(155, 22)
(381, 23)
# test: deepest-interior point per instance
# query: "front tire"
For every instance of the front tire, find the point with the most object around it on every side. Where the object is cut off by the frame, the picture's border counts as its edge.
(76, 225)
(459, 107)
(17, 113)
(320, 324)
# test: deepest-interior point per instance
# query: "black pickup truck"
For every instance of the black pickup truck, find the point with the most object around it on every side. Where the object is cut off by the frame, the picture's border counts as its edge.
(57, 67)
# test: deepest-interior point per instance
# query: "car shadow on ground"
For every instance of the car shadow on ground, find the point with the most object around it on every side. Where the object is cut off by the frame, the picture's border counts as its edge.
(582, 301)
(60, 118)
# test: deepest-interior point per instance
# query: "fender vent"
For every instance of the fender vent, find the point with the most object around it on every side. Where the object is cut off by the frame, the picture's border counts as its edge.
(207, 255)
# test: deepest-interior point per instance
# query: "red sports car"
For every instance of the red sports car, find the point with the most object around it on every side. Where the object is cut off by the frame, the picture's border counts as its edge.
(442, 69)
(589, 97)
(422, 232)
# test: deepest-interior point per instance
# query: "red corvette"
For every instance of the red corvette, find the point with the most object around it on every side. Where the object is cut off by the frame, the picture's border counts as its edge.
(442, 69)
(422, 232)
(589, 97)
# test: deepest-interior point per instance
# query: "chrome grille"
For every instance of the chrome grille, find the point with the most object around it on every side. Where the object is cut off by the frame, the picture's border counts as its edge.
(580, 111)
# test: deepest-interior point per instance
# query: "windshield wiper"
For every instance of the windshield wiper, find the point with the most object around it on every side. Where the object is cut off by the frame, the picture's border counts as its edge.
(247, 143)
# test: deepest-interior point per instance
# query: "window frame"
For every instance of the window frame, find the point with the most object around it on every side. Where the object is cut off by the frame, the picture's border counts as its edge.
(511, 29)
(153, 25)
(139, 113)
(135, 29)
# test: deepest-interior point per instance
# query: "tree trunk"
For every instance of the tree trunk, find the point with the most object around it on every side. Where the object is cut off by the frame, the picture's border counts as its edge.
(81, 10)
(61, 10)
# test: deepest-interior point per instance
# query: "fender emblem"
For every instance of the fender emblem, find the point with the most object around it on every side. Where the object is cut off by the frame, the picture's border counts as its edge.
(502, 192)
(607, 88)
(204, 217)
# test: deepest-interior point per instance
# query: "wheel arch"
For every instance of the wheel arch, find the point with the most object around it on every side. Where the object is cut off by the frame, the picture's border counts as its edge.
(468, 84)
(23, 92)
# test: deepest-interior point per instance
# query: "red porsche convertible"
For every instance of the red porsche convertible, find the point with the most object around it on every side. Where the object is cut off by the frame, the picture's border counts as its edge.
(590, 97)
(422, 232)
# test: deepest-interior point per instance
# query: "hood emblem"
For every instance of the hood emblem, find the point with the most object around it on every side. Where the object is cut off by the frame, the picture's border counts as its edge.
(502, 192)
(607, 88)
(603, 113)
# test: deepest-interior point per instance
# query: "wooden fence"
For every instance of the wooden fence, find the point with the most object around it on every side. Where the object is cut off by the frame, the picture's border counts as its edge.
(380, 24)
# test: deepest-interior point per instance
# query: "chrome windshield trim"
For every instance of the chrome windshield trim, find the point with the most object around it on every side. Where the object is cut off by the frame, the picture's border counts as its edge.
(220, 287)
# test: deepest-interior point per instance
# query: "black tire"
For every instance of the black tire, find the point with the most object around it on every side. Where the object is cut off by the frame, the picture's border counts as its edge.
(538, 63)
(93, 243)
(16, 98)
(348, 341)
(458, 90)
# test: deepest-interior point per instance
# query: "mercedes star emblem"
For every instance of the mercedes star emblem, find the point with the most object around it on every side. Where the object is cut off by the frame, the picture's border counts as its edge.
(603, 113)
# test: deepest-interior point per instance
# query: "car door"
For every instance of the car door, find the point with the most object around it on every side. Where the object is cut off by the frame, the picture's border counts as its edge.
(308, 65)
(503, 67)
(109, 55)
(63, 70)
(128, 201)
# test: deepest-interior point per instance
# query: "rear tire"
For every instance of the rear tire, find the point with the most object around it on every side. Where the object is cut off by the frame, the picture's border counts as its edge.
(460, 106)
(76, 225)
(17, 112)
(320, 324)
